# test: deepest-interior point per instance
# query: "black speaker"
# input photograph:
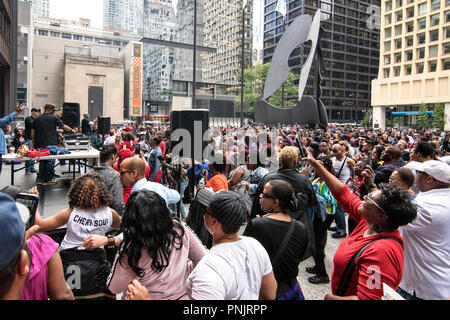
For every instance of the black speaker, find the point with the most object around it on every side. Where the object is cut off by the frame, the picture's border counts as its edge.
(71, 114)
(104, 125)
(186, 119)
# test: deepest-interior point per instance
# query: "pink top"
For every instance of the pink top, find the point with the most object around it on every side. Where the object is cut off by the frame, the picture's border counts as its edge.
(42, 248)
(170, 283)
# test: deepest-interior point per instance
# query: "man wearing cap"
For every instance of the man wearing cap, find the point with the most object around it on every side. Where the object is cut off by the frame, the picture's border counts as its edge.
(29, 165)
(44, 134)
(15, 261)
(427, 239)
(236, 267)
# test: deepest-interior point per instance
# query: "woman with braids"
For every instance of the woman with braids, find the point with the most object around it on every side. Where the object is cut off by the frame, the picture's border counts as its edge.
(375, 246)
(88, 214)
(156, 249)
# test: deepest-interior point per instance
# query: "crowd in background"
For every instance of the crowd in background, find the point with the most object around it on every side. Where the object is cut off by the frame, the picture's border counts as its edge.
(250, 221)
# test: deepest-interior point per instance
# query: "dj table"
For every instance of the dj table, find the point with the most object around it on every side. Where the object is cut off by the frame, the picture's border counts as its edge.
(79, 158)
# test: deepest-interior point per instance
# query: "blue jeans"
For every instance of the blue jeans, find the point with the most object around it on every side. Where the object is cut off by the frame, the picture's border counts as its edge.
(339, 218)
(29, 164)
(46, 170)
(173, 207)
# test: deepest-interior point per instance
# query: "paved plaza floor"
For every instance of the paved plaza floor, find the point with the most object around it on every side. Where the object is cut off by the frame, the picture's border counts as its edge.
(53, 198)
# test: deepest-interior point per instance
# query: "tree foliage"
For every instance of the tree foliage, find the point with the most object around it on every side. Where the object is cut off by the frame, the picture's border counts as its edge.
(422, 120)
(254, 81)
(438, 118)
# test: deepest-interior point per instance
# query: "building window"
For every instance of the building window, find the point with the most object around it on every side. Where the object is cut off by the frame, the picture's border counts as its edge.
(409, 55)
(397, 57)
(386, 72)
(447, 16)
(398, 3)
(422, 8)
(422, 23)
(432, 66)
(409, 41)
(447, 32)
(387, 46)
(398, 16)
(434, 20)
(388, 19)
(410, 27)
(408, 70)
(43, 33)
(410, 12)
(387, 59)
(435, 4)
(421, 38)
(446, 64)
(420, 53)
(433, 51)
(419, 67)
(446, 48)
(54, 34)
(77, 37)
(388, 5)
(67, 35)
(398, 30)
(397, 72)
(398, 44)
(88, 39)
(434, 35)
(387, 33)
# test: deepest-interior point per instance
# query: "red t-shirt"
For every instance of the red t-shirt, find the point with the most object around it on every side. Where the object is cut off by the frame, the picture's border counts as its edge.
(381, 262)
(162, 146)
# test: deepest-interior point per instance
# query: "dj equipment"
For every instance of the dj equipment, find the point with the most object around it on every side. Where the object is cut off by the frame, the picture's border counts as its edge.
(77, 142)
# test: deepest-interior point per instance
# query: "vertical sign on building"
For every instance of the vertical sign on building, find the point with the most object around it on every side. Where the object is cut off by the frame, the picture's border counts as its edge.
(136, 81)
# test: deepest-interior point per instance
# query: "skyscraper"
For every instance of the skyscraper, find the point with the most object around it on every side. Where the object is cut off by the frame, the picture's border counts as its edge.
(120, 14)
(223, 30)
(41, 8)
(350, 47)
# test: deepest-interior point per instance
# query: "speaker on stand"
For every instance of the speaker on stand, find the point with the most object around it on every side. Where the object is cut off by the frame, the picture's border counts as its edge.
(71, 114)
(187, 120)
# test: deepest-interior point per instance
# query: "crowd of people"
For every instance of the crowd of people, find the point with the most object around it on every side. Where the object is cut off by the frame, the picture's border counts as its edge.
(262, 203)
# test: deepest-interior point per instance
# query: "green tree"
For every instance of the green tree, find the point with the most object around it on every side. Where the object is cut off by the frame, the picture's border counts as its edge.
(367, 121)
(422, 120)
(254, 80)
(438, 118)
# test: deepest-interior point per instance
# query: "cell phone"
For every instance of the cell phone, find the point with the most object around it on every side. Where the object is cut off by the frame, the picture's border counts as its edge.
(302, 150)
(30, 201)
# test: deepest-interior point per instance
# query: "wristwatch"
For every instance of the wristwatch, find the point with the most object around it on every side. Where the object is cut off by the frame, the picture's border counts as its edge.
(111, 241)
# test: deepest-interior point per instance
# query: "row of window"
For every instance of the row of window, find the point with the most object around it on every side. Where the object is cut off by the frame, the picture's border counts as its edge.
(422, 7)
(409, 41)
(421, 37)
(421, 22)
(433, 52)
(432, 66)
(70, 36)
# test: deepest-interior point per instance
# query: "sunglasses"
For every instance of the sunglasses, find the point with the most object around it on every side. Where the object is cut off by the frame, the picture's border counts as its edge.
(369, 197)
(125, 171)
(267, 196)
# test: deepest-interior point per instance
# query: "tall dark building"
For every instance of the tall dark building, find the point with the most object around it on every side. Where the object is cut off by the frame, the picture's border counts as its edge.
(8, 56)
(350, 47)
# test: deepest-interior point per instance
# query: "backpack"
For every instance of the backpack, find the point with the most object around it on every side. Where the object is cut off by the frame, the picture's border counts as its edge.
(300, 212)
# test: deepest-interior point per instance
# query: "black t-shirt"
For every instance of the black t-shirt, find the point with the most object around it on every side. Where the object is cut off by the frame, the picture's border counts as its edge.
(45, 130)
(270, 233)
(28, 126)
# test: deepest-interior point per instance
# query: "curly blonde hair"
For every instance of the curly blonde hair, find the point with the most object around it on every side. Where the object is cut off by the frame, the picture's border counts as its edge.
(89, 192)
(288, 157)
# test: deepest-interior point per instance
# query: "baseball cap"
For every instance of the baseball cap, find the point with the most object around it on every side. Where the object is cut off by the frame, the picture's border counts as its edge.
(204, 196)
(127, 128)
(228, 208)
(437, 169)
(12, 228)
(35, 110)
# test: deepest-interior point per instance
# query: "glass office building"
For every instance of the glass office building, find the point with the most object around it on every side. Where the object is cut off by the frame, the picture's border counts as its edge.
(350, 47)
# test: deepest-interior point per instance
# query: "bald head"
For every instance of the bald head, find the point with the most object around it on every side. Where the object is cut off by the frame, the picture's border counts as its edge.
(134, 163)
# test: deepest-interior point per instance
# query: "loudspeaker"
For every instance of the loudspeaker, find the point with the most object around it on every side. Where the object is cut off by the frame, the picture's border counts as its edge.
(221, 108)
(71, 114)
(185, 119)
(104, 125)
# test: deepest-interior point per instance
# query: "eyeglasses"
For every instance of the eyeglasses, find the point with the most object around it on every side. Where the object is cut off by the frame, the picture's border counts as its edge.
(267, 196)
(391, 178)
(369, 197)
(125, 171)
